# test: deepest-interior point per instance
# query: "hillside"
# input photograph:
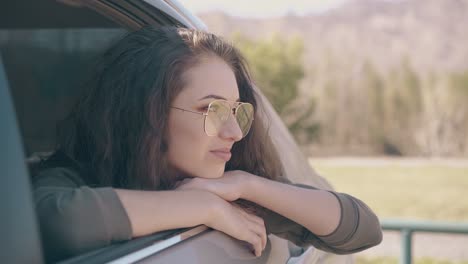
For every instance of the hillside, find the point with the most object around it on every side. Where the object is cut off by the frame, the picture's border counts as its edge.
(432, 34)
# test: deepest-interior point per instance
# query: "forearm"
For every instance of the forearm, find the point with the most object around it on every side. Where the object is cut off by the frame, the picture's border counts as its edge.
(151, 211)
(317, 210)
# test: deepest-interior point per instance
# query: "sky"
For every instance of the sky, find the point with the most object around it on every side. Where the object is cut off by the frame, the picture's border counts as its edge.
(260, 8)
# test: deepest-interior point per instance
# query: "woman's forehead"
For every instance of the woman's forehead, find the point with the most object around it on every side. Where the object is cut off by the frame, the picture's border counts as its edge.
(211, 77)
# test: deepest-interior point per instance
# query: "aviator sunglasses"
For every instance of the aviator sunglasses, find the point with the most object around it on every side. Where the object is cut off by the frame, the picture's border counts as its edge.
(218, 112)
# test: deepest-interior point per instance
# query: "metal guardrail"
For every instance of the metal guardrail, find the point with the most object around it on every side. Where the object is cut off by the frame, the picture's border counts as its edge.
(408, 227)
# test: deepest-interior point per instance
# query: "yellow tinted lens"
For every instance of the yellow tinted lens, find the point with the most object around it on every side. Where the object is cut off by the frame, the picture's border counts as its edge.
(218, 113)
(244, 117)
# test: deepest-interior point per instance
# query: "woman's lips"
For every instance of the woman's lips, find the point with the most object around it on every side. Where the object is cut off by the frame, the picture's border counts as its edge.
(224, 155)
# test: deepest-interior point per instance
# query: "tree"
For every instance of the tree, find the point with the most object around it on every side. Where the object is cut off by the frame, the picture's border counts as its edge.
(277, 68)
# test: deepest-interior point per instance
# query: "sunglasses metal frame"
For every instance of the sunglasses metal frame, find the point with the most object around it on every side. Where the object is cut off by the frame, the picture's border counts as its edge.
(238, 104)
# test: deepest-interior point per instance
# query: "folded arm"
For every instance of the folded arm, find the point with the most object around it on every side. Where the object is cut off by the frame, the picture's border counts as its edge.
(303, 214)
(330, 221)
(75, 218)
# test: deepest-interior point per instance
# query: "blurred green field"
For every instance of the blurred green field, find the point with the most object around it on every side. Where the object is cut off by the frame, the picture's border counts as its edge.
(402, 189)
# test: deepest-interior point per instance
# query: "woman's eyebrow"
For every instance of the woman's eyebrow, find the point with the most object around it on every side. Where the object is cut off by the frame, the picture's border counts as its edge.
(214, 96)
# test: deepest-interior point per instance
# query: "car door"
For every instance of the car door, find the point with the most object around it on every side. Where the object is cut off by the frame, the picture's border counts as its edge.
(18, 227)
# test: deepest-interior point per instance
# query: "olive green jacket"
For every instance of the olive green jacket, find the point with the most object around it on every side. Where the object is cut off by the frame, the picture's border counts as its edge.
(75, 217)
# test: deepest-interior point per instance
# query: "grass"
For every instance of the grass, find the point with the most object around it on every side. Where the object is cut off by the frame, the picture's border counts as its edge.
(423, 190)
(390, 260)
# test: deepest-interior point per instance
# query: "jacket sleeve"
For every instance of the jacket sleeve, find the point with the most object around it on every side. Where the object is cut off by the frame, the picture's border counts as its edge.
(75, 218)
(358, 228)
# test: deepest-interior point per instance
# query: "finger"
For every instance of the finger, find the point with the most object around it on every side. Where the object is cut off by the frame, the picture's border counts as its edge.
(260, 230)
(258, 226)
(256, 243)
(251, 232)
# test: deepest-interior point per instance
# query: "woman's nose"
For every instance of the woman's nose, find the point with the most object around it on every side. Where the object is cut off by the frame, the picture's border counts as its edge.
(230, 129)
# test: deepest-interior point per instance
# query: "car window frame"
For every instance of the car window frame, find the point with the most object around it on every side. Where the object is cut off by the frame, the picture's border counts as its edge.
(19, 227)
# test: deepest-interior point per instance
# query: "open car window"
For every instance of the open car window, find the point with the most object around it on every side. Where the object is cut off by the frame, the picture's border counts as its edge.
(47, 49)
(47, 69)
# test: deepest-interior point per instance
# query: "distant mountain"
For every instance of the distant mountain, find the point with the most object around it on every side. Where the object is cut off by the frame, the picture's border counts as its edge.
(431, 34)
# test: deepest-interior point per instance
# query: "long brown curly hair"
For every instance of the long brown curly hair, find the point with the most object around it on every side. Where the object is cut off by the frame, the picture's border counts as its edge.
(118, 128)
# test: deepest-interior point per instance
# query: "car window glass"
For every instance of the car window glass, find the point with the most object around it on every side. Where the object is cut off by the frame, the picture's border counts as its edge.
(47, 69)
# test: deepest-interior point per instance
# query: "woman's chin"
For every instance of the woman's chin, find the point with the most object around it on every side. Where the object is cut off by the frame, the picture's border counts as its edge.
(214, 173)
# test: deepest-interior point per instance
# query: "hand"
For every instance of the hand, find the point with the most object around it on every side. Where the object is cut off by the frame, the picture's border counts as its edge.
(234, 221)
(231, 186)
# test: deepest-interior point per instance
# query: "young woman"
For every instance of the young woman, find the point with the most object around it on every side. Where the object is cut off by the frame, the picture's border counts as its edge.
(167, 137)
